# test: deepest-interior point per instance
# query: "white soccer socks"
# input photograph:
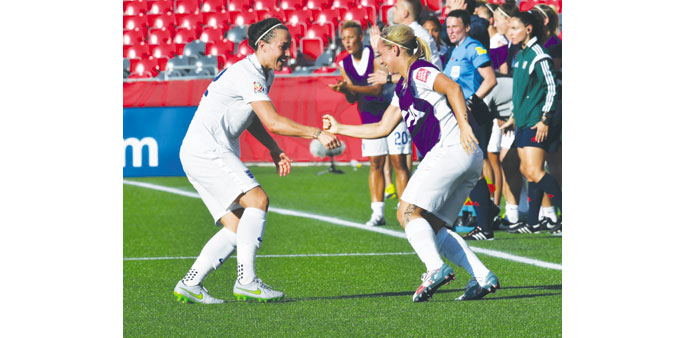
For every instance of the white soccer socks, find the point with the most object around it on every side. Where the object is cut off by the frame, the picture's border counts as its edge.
(377, 208)
(422, 239)
(214, 253)
(250, 230)
(512, 212)
(548, 212)
(452, 246)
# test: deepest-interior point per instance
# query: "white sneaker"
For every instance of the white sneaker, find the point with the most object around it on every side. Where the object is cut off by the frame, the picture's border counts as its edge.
(376, 220)
(256, 290)
(194, 294)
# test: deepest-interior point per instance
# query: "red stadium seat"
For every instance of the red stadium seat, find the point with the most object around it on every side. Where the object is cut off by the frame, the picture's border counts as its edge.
(164, 50)
(233, 59)
(217, 19)
(136, 51)
(263, 4)
(159, 36)
(211, 34)
(191, 20)
(239, 5)
(270, 12)
(435, 5)
(186, 7)
(527, 4)
(134, 7)
(318, 4)
(132, 22)
(133, 37)
(344, 4)
(243, 18)
(388, 2)
(161, 21)
(182, 37)
(297, 30)
(373, 3)
(358, 14)
(311, 47)
(213, 6)
(299, 16)
(324, 31)
(223, 48)
(244, 48)
(159, 6)
(291, 4)
(372, 14)
(144, 68)
(332, 15)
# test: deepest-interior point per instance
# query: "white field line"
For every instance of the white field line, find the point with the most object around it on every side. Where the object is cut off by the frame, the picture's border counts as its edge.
(283, 256)
(337, 221)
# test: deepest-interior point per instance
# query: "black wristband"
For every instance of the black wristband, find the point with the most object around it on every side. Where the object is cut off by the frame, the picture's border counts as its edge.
(389, 78)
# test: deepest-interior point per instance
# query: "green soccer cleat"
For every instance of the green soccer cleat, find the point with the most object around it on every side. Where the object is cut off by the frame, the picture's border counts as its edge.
(256, 290)
(432, 280)
(194, 294)
(476, 291)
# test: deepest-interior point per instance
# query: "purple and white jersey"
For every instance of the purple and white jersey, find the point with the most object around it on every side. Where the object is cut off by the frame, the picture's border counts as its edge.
(371, 108)
(426, 112)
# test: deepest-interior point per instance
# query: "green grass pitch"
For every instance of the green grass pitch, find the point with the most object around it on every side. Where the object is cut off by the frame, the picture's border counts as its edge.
(326, 296)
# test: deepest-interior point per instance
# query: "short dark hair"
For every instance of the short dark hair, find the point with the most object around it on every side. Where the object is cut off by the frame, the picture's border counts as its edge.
(470, 6)
(461, 14)
(258, 28)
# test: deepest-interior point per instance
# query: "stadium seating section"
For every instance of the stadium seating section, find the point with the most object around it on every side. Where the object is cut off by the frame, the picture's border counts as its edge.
(165, 39)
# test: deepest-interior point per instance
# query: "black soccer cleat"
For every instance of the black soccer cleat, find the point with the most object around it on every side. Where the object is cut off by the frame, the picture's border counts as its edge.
(479, 235)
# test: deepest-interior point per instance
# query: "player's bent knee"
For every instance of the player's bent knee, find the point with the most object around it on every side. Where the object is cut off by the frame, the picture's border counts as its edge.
(255, 198)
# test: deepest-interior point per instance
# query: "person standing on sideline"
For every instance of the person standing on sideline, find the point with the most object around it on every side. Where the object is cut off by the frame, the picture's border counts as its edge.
(470, 66)
(235, 101)
(432, 106)
(535, 99)
(355, 69)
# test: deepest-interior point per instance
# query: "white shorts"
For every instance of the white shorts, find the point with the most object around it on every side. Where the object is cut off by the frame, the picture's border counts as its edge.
(499, 140)
(443, 181)
(398, 142)
(219, 177)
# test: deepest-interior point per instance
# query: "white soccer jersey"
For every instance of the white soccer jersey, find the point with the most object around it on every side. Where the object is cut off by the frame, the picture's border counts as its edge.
(417, 101)
(224, 111)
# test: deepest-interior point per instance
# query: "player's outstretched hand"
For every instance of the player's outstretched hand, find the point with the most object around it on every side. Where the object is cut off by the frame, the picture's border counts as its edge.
(378, 77)
(327, 137)
(337, 87)
(541, 131)
(330, 124)
(282, 162)
(374, 36)
(468, 139)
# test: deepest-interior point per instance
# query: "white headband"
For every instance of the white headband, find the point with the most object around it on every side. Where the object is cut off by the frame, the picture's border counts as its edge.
(394, 43)
(503, 12)
(265, 33)
(490, 8)
(542, 12)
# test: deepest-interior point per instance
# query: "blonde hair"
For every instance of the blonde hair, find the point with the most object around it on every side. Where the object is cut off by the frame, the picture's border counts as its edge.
(403, 36)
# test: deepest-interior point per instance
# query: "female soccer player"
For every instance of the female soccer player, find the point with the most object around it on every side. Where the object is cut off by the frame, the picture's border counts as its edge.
(450, 167)
(470, 66)
(535, 99)
(237, 100)
(372, 102)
